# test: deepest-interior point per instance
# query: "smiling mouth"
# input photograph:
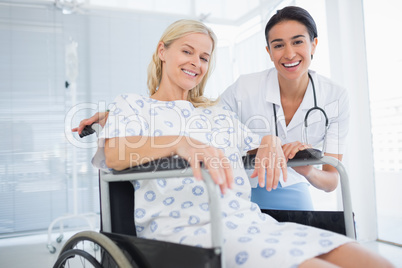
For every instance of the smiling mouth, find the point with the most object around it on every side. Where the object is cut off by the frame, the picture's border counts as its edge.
(290, 65)
(189, 73)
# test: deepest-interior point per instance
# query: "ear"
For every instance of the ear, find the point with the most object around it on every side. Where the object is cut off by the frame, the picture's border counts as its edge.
(269, 52)
(314, 45)
(161, 51)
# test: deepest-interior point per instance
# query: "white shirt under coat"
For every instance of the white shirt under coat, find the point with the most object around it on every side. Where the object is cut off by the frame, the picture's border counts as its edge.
(252, 97)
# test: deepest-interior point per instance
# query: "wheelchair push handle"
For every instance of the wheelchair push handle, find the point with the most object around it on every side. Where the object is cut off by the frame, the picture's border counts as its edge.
(91, 129)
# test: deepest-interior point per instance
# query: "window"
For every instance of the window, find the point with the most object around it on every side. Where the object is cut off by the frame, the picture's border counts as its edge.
(384, 69)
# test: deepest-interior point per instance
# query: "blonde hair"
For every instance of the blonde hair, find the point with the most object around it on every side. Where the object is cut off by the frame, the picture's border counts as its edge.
(175, 31)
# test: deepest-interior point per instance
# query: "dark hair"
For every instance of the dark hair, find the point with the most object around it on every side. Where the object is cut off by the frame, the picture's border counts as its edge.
(292, 13)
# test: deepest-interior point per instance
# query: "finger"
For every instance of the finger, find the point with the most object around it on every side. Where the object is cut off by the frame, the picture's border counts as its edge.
(271, 173)
(298, 147)
(260, 170)
(293, 153)
(262, 178)
(224, 184)
(302, 147)
(222, 180)
(287, 149)
(284, 168)
(223, 189)
(227, 169)
(221, 166)
(82, 125)
(195, 166)
(255, 173)
(215, 173)
(277, 173)
(74, 129)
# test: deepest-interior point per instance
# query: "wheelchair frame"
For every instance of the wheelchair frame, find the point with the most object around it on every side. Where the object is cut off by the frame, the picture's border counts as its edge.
(180, 168)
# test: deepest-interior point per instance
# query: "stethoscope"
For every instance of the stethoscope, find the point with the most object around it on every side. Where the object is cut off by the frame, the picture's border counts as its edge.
(306, 117)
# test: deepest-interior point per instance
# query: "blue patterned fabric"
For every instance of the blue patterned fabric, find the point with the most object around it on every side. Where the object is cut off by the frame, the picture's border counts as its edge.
(177, 210)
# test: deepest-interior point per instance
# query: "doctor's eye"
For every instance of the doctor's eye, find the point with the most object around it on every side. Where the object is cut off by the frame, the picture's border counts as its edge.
(298, 42)
(277, 46)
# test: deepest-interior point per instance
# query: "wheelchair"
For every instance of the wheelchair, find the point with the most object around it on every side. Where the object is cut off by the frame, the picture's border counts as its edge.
(116, 245)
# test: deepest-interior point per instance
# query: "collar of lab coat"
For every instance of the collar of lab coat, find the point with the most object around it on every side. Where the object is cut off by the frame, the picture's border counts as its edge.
(273, 96)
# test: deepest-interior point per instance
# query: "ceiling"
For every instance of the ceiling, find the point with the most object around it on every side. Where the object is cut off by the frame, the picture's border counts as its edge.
(229, 12)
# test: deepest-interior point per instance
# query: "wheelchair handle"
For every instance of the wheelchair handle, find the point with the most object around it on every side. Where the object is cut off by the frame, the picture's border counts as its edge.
(91, 129)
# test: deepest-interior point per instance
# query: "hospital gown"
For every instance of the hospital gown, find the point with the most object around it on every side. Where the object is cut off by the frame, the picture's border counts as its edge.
(177, 210)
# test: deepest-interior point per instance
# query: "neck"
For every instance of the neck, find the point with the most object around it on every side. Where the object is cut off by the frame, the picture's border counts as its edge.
(164, 94)
(293, 90)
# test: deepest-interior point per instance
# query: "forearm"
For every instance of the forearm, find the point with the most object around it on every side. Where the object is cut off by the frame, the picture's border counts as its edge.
(323, 179)
(125, 152)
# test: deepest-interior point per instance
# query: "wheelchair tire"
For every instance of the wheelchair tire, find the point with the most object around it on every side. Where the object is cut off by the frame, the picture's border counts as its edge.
(82, 245)
(72, 253)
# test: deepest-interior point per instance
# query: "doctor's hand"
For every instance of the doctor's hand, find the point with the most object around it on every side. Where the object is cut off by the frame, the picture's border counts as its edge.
(270, 161)
(99, 117)
(290, 150)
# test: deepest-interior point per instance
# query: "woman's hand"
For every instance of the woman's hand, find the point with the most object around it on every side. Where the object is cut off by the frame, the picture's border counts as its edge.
(290, 150)
(325, 179)
(99, 118)
(214, 161)
(270, 160)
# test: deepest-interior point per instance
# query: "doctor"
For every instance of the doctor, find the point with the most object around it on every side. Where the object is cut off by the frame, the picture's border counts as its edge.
(275, 101)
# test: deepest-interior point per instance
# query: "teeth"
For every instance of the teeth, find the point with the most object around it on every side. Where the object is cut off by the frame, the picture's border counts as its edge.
(292, 64)
(189, 73)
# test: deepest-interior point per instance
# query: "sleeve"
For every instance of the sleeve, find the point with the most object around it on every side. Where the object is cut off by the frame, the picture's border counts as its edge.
(246, 139)
(338, 115)
(124, 119)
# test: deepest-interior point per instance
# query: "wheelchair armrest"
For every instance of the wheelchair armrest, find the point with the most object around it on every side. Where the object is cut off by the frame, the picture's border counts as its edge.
(302, 158)
(161, 164)
(249, 161)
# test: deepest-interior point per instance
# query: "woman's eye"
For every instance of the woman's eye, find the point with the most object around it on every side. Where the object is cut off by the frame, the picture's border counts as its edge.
(278, 46)
(205, 59)
(186, 51)
(298, 42)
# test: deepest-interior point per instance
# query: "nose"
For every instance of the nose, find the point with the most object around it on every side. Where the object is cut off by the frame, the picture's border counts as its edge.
(195, 61)
(289, 53)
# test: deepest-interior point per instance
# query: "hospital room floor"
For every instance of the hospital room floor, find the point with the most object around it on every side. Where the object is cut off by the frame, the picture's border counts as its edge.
(31, 251)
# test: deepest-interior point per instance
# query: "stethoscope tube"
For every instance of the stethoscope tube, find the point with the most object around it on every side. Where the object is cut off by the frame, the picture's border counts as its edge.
(306, 117)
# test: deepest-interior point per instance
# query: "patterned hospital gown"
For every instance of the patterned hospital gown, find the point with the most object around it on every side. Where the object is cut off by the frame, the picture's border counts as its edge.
(177, 210)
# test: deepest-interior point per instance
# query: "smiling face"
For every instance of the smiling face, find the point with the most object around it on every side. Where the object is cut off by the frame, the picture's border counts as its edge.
(184, 63)
(290, 49)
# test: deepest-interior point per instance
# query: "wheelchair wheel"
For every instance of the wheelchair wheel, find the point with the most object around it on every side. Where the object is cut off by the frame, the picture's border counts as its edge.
(92, 249)
(72, 253)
